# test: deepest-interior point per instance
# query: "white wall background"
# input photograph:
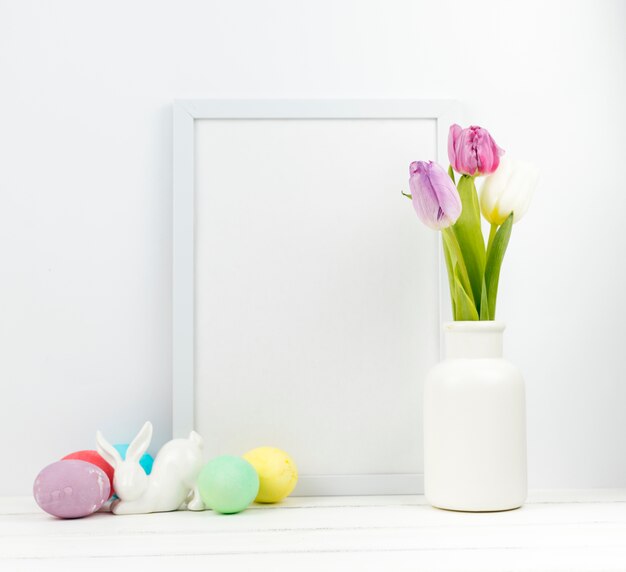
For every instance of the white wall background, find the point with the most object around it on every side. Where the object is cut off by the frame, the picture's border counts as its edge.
(85, 193)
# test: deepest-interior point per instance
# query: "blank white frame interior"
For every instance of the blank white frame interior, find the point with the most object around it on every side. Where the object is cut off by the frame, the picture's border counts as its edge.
(306, 295)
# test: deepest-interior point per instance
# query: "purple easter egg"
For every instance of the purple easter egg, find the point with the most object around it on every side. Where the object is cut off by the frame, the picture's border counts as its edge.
(71, 489)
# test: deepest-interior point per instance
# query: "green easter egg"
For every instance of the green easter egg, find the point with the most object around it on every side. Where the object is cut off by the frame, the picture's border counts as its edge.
(228, 484)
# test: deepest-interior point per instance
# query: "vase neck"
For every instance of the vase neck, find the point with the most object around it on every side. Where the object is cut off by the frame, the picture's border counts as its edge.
(473, 340)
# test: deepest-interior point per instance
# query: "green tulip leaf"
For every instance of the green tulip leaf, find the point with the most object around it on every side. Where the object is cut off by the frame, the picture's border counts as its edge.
(484, 303)
(494, 262)
(451, 173)
(450, 269)
(465, 308)
(456, 260)
(469, 235)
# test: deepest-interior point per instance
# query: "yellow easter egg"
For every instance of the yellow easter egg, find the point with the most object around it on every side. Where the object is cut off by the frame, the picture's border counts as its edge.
(277, 472)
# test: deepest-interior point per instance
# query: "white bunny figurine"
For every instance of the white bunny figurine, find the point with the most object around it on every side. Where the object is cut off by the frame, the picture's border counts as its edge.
(170, 486)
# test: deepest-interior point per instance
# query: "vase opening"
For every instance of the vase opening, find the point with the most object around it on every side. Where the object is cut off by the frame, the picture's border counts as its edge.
(473, 340)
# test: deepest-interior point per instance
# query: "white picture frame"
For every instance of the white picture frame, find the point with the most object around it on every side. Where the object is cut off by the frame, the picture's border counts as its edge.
(191, 118)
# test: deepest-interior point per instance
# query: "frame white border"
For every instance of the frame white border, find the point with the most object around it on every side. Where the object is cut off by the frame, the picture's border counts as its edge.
(183, 295)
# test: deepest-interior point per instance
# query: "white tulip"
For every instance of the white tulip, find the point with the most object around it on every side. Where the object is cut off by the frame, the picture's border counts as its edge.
(508, 190)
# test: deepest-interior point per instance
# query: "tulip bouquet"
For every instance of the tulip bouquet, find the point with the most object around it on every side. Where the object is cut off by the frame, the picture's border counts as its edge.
(454, 207)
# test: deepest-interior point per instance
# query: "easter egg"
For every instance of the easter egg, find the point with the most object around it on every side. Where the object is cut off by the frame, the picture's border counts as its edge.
(228, 484)
(146, 460)
(71, 488)
(94, 458)
(277, 472)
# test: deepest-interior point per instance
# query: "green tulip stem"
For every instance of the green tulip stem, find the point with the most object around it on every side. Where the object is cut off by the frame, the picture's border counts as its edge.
(492, 235)
(469, 236)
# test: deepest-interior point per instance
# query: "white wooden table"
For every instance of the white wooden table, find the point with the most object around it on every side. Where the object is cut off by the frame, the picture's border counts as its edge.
(565, 530)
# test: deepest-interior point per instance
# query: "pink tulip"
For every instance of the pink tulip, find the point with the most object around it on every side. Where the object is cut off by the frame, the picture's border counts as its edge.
(473, 151)
(435, 198)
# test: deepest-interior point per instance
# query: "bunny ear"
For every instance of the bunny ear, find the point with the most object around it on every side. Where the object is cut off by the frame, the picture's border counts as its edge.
(107, 451)
(140, 443)
(197, 439)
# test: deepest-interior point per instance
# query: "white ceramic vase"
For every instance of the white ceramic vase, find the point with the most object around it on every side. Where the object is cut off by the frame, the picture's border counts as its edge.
(474, 423)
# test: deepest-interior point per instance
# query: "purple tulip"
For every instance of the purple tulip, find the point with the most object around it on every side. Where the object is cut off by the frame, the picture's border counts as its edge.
(472, 151)
(435, 198)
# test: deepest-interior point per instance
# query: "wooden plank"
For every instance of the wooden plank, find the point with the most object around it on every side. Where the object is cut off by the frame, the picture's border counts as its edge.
(555, 531)
(25, 505)
(502, 560)
(597, 535)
